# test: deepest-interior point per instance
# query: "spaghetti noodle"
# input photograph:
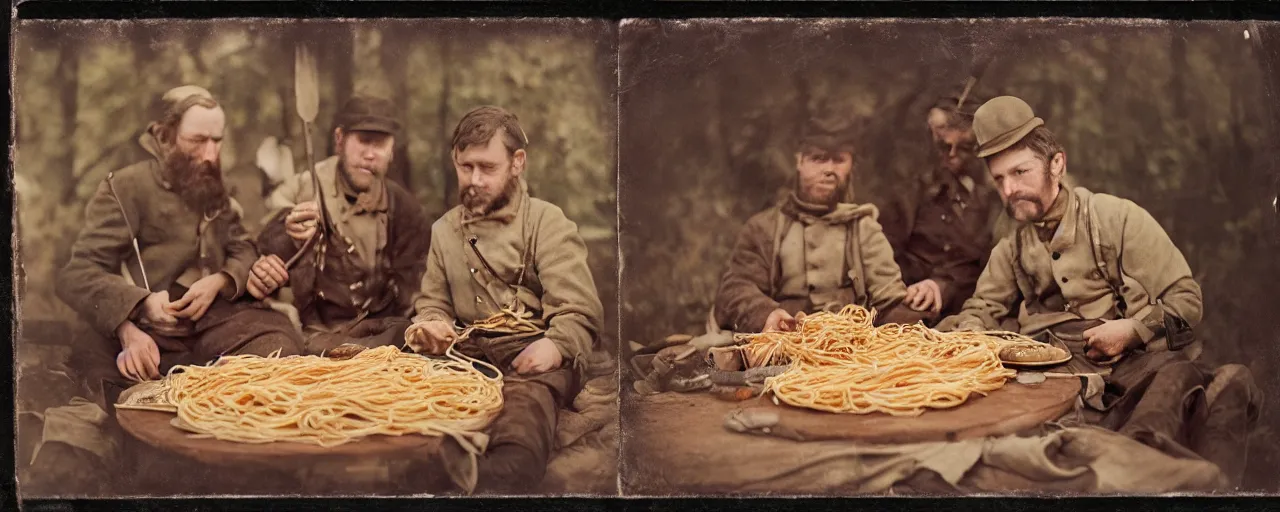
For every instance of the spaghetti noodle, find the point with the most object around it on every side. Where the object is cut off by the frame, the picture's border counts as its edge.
(316, 400)
(840, 362)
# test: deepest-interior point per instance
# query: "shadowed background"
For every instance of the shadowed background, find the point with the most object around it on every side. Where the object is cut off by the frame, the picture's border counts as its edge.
(82, 90)
(1175, 116)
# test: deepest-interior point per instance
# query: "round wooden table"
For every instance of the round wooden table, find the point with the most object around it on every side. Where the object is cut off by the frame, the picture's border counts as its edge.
(370, 464)
(675, 441)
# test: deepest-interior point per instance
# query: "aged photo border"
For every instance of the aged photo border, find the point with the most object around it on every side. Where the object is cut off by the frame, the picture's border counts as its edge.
(613, 10)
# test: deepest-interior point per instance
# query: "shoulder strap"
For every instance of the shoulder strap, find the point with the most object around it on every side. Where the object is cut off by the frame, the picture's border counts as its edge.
(779, 230)
(853, 251)
(1110, 270)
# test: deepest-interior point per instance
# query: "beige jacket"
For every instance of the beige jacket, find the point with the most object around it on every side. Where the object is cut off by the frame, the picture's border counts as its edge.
(788, 258)
(1127, 249)
(554, 280)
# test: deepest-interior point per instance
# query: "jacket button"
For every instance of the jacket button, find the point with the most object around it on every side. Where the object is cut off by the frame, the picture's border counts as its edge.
(812, 287)
(473, 271)
(1064, 279)
(1057, 255)
(478, 299)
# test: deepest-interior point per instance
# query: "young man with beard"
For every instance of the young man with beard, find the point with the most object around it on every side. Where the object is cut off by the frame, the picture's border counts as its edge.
(377, 245)
(1098, 273)
(498, 248)
(813, 251)
(161, 265)
(941, 229)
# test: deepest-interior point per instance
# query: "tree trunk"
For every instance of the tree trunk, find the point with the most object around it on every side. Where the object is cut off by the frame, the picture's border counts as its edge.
(446, 160)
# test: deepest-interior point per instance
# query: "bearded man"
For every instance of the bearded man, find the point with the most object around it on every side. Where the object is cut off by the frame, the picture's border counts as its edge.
(502, 249)
(1098, 274)
(160, 270)
(814, 251)
(941, 229)
(376, 250)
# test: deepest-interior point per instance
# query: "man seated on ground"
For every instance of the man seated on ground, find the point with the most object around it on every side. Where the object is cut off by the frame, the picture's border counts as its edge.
(941, 228)
(160, 270)
(376, 245)
(814, 251)
(501, 249)
(1098, 273)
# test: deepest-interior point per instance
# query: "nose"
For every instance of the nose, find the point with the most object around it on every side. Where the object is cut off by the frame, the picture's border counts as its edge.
(953, 151)
(209, 152)
(1007, 188)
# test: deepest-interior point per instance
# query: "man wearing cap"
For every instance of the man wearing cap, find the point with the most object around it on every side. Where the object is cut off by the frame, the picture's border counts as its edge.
(376, 248)
(813, 251)
(502, 249)
(161, 268)
(1099, 274)
(941, 229)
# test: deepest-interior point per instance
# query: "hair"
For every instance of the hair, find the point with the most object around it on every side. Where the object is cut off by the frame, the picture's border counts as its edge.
(961, 117)
(481, 124)
(1040, 141)
(166, 128)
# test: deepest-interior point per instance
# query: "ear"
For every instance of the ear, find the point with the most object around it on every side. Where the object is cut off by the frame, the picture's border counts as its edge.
(799, 159)
(518, 161)
(337, 140)
(1058, 165)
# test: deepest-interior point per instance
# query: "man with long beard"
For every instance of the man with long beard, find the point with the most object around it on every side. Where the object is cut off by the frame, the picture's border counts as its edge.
(160, 268)
(376, 250)
(501, 249)
(812, 252)
(941, 229)
(1099, 274)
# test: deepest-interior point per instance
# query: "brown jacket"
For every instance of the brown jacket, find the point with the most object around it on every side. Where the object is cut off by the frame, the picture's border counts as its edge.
(175, 243)
(942, 230)
(530, 242)
(1102, 243)
(350, 288)
(790, 259)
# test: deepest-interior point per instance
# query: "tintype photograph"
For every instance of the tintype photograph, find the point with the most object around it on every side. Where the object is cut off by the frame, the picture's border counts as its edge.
(315, 257)
(905, 257)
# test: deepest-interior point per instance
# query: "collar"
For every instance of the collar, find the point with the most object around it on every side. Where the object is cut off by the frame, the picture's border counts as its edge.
(809, 213)
(373, 200)
(941, 181)
(151, 144)
(1062, 218)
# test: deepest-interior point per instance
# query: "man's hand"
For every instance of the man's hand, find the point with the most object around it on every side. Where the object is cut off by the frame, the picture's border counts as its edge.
(925, 295)
(432, 337)
(539, 357)
(300, 224)
(154, 310)
(196, 301)
(139, 357)
(1111, 339)
(267, 275)
(779, 320)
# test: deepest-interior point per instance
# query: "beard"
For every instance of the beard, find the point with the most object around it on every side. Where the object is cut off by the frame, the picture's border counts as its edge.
(1040, 207)
(199, 184)
(825, 198)
(482, 204)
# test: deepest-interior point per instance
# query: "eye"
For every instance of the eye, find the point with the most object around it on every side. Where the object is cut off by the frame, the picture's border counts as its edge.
(1020, 172)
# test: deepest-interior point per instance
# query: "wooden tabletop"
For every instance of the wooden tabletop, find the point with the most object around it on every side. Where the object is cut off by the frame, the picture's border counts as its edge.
(674, 438)
(153, 428)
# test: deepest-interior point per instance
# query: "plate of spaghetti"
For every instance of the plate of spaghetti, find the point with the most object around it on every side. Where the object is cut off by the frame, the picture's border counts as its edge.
(842, 363)
(326, 401)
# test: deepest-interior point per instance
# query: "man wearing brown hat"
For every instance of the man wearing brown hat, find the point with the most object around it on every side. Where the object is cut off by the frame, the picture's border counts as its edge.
(502, 249)
(160, 270)
(813, 251)
(376, 249)
(941, 229)
(1098, 274)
